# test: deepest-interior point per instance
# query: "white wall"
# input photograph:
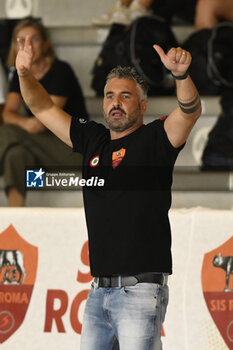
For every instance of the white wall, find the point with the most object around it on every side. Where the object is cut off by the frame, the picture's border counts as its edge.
(64, 12)
(58, 236)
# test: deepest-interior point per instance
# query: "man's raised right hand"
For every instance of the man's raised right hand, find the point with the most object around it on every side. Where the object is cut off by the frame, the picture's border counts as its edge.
(24, 57)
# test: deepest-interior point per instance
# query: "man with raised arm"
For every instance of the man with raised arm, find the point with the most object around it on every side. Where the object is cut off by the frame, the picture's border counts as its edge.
(127, 220)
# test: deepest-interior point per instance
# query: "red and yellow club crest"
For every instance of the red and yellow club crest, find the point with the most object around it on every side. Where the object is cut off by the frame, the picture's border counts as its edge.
(217, 285)
(117, 157)
(18, 266)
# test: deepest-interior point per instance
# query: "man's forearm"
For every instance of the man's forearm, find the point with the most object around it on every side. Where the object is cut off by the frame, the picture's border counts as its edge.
(188, 97)
(34, 95)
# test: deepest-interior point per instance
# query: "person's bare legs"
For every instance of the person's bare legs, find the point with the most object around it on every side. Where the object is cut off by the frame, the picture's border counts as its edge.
(123, 12)
(146, 3)
(209, 12)
(117, 14)
(139, 8)
(1, 109)
(15, 199)
(126, 2)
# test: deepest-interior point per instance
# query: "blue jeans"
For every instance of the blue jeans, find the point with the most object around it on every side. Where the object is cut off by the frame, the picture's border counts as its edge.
(129, 318)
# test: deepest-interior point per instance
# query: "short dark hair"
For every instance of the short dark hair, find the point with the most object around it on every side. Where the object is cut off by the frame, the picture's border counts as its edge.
(129, 73)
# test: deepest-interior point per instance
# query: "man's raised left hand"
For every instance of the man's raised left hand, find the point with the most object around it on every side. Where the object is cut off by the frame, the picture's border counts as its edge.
(177, 60)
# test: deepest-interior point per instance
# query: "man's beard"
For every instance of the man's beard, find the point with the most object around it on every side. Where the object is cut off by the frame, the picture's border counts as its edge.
(124, 123)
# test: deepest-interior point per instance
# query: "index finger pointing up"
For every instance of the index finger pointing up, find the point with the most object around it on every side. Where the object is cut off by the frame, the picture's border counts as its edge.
(28, 45)
(20, 43)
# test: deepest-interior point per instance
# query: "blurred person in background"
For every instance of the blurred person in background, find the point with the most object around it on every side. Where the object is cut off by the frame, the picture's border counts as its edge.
(126, 11)
(3, 89)
(123, 12)
(24, 140)
(218, 150)
(210, 12)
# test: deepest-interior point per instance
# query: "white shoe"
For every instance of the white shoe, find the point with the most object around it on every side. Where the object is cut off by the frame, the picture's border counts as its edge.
(136, 10)
(118, 14)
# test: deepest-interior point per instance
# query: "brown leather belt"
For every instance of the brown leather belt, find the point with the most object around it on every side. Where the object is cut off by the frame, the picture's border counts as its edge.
(123, 281)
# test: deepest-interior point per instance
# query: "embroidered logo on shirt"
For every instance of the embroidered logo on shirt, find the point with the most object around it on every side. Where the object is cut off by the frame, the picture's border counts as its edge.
(117, 157)
(94, 161)
(82, 120)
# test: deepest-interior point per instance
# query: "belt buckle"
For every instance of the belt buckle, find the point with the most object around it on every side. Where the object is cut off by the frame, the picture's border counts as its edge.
(116, 281)
(119, 281)
(106, 282)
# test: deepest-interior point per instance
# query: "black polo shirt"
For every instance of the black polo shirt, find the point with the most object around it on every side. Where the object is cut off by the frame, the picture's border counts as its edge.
(127, 218)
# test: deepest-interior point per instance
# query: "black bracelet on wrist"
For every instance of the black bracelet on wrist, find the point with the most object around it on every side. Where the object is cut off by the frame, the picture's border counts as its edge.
(180, 77)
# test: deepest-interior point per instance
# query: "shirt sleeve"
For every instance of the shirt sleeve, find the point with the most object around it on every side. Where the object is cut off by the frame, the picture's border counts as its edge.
(83, 133)
(14, 83)
(167, 152)
(3, 84)
(14, 87)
